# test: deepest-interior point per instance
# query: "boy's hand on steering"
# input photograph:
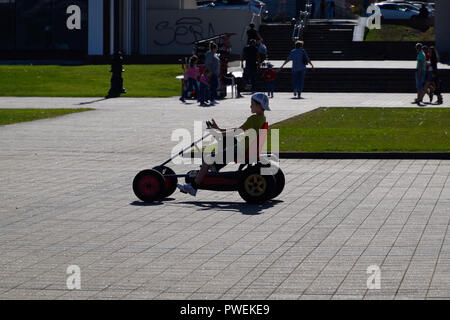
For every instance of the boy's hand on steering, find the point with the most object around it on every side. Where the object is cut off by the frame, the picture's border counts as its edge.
(214, 124)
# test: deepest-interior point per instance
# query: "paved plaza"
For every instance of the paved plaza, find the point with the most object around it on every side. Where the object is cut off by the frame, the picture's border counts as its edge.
(66, 199)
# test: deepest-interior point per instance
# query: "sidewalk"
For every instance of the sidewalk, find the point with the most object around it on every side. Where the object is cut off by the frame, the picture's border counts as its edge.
(66, 199)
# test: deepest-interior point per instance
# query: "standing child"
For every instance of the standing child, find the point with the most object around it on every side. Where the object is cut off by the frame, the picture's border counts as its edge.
(269, 76)
(191, 75)
(204, 87)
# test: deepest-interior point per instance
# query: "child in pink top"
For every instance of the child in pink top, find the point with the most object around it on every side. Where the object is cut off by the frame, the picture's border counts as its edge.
(191, 75)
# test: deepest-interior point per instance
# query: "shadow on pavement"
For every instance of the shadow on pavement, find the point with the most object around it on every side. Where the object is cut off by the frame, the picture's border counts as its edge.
(150, 204)
(242, 207)
(90, 102)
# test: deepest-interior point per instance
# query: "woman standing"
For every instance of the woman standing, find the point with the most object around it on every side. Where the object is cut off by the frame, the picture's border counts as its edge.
(300, 60)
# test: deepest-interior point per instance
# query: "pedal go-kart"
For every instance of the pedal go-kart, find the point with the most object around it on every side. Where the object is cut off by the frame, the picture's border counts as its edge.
(254, 187)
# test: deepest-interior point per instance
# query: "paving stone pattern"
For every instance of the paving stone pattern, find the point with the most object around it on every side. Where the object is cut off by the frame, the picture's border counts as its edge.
(66, 199)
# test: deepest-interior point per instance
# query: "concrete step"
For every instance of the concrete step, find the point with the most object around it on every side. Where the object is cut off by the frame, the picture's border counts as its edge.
(351, 80)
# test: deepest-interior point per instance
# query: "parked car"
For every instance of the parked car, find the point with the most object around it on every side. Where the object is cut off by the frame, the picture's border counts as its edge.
(398, 11)
(204, 2)
(417, 4)
(255, 6)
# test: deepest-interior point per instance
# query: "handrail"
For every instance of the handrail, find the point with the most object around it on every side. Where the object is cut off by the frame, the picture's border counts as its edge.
(252, 20)
(301, 22)
(219, 36)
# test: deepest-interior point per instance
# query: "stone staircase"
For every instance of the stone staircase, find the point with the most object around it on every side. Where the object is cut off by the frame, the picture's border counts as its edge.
(333, 42)
(322, 41)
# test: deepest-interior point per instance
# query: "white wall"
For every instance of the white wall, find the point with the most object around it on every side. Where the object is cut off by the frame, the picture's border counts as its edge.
(172, 32)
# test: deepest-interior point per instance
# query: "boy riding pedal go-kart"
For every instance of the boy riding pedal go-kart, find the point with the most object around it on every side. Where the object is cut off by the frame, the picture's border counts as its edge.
(257, 180)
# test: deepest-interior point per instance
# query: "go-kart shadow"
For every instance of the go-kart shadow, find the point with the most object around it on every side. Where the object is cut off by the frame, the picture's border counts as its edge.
(242, 207)
(150, 204)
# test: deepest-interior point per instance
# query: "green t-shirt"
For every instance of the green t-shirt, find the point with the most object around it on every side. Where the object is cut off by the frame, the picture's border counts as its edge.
(255, 122)
(421, 58)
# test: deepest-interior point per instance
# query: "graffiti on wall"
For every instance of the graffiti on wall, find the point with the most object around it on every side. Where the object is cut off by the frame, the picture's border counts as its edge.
(184, 31)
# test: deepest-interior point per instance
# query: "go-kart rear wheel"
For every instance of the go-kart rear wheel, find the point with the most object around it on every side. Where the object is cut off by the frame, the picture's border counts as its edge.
(256, 188)
(170, 182)
(280, 182)
(149, 185)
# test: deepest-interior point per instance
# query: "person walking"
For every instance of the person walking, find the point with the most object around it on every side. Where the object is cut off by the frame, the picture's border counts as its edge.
(251, 57)
(429, 70)
(420, 73)
(212, 63)
(436, 90)
(190, 75)
(252, 34)
(300, 60)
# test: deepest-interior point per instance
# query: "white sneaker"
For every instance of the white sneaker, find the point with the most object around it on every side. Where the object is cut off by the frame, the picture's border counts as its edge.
(187, 188)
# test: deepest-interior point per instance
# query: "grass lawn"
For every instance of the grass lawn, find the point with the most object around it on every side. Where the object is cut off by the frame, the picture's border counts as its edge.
(9, 116)
(391, 32)
(88, 81)
(366, 130)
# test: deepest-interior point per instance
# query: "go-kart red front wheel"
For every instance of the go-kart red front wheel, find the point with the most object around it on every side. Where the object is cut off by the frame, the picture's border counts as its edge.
(149, 185)
(170, 182)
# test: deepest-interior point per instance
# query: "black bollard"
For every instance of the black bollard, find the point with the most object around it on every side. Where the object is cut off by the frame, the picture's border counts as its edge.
(116, 78)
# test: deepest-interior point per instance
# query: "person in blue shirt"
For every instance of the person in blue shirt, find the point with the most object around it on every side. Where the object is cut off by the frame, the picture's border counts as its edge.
(300, 60)
(420, 74)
